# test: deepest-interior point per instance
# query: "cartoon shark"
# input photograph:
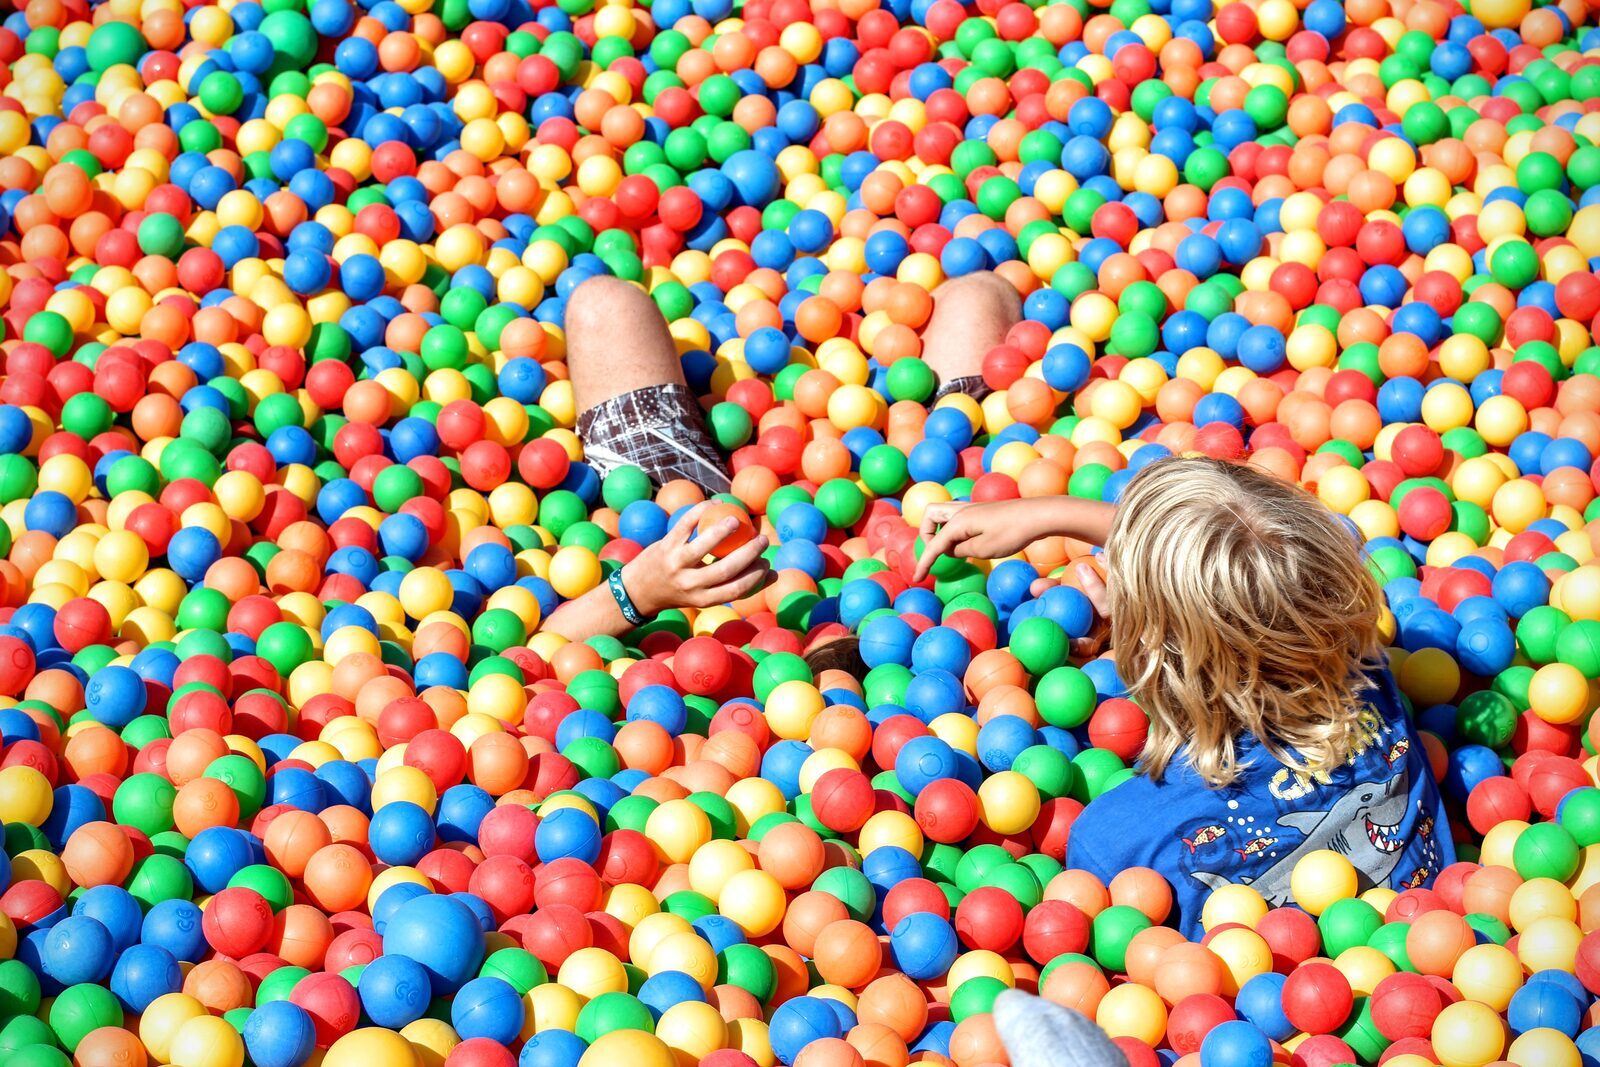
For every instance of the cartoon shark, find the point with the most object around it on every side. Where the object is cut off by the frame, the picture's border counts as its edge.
(1363, 825)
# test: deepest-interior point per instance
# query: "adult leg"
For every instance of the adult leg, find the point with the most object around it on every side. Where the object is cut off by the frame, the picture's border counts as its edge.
(617, 342)
(633, 404)
(971, 314)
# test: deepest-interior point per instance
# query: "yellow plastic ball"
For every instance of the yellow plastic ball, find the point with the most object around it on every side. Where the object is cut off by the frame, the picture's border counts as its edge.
(887, 829)
(1501, 420)
(1500, 15)
(370, 1045)
(424, 591)
(791, 709)
(1244, 954)
(632, 1047)
(713, 864)
(122, 556)
(1364, 968)
(1008, 802)
(163, 1018)
(1518, 504)
(1489, 974)
(1538, 899)
(1429, 676)
(1549, 943)
(1342, 488)
(574, 570)
(754, 900)
(1447, 407)
(687, 952)
(1468, 1034)
(1322, 878)
(1559, 693)
(1232, 904)
(207, 1041)
(499, 696)
(402, 783)
(1133, 1010)
(25, 795)
(590, 972)
(692, 1031)
(1544, 1047)
(678, 828)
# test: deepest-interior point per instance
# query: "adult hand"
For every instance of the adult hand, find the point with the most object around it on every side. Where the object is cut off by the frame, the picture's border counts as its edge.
(671, 573)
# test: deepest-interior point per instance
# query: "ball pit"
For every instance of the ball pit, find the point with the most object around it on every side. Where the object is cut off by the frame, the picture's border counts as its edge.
(289, 480)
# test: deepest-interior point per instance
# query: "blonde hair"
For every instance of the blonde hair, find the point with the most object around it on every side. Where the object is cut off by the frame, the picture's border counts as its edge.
(1239, 603)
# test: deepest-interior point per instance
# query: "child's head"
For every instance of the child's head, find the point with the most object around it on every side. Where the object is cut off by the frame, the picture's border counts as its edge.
(836, 654)
(1238, 603)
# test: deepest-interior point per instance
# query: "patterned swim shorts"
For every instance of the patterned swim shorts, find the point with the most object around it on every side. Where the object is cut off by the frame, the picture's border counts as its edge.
(973, 385)
(659, 429)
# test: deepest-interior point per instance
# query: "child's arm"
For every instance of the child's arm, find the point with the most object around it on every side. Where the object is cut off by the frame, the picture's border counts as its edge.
(1005, 527)
(668, 574)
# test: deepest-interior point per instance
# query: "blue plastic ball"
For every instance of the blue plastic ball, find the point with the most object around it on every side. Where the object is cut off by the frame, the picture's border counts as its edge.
(442, 934)
(279, 1034)
(924, 945)
(487, 1007)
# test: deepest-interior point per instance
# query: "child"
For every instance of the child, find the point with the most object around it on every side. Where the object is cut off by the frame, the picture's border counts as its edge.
(634, 408)
(1246, 627)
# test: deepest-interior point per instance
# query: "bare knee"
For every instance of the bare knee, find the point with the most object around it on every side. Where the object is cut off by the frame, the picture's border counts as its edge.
(603, 303)
(971, 314)
(617, 341)
(983, 292)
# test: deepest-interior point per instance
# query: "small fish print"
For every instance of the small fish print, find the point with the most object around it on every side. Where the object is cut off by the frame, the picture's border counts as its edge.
(1204, 836)
(1260, 844)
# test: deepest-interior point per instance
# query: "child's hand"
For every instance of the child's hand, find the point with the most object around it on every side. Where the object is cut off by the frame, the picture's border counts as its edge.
(1094, 587)
(976, 531)
(670, 574)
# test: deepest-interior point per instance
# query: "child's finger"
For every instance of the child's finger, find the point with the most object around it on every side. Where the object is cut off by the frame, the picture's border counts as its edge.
(940, 544)
(1094, 587)
(735, 562)
(935, 516)
(1088, 647)
(1041, 586)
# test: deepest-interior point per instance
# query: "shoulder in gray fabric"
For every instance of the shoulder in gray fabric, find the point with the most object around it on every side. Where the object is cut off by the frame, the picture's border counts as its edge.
(1038, 1033)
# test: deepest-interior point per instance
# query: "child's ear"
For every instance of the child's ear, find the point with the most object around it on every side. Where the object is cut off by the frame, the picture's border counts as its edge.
(1039, 1033)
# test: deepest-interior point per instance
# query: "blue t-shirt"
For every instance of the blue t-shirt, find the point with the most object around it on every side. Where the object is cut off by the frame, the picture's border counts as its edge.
(1381, 810)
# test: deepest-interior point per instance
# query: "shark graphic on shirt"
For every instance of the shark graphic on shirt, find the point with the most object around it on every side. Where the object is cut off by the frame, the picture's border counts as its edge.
(1363, 825)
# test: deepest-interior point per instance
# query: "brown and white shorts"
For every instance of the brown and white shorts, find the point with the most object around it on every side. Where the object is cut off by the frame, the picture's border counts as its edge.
(973, 385)
(659, 429)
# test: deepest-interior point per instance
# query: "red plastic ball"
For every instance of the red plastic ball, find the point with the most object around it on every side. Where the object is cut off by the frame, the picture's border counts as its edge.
(237, 922)
(1317, 998)
(1054, 927)
(1405, 1005)
(1192, 1018)
(989, 918)
(842, 800)
(947, 810)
